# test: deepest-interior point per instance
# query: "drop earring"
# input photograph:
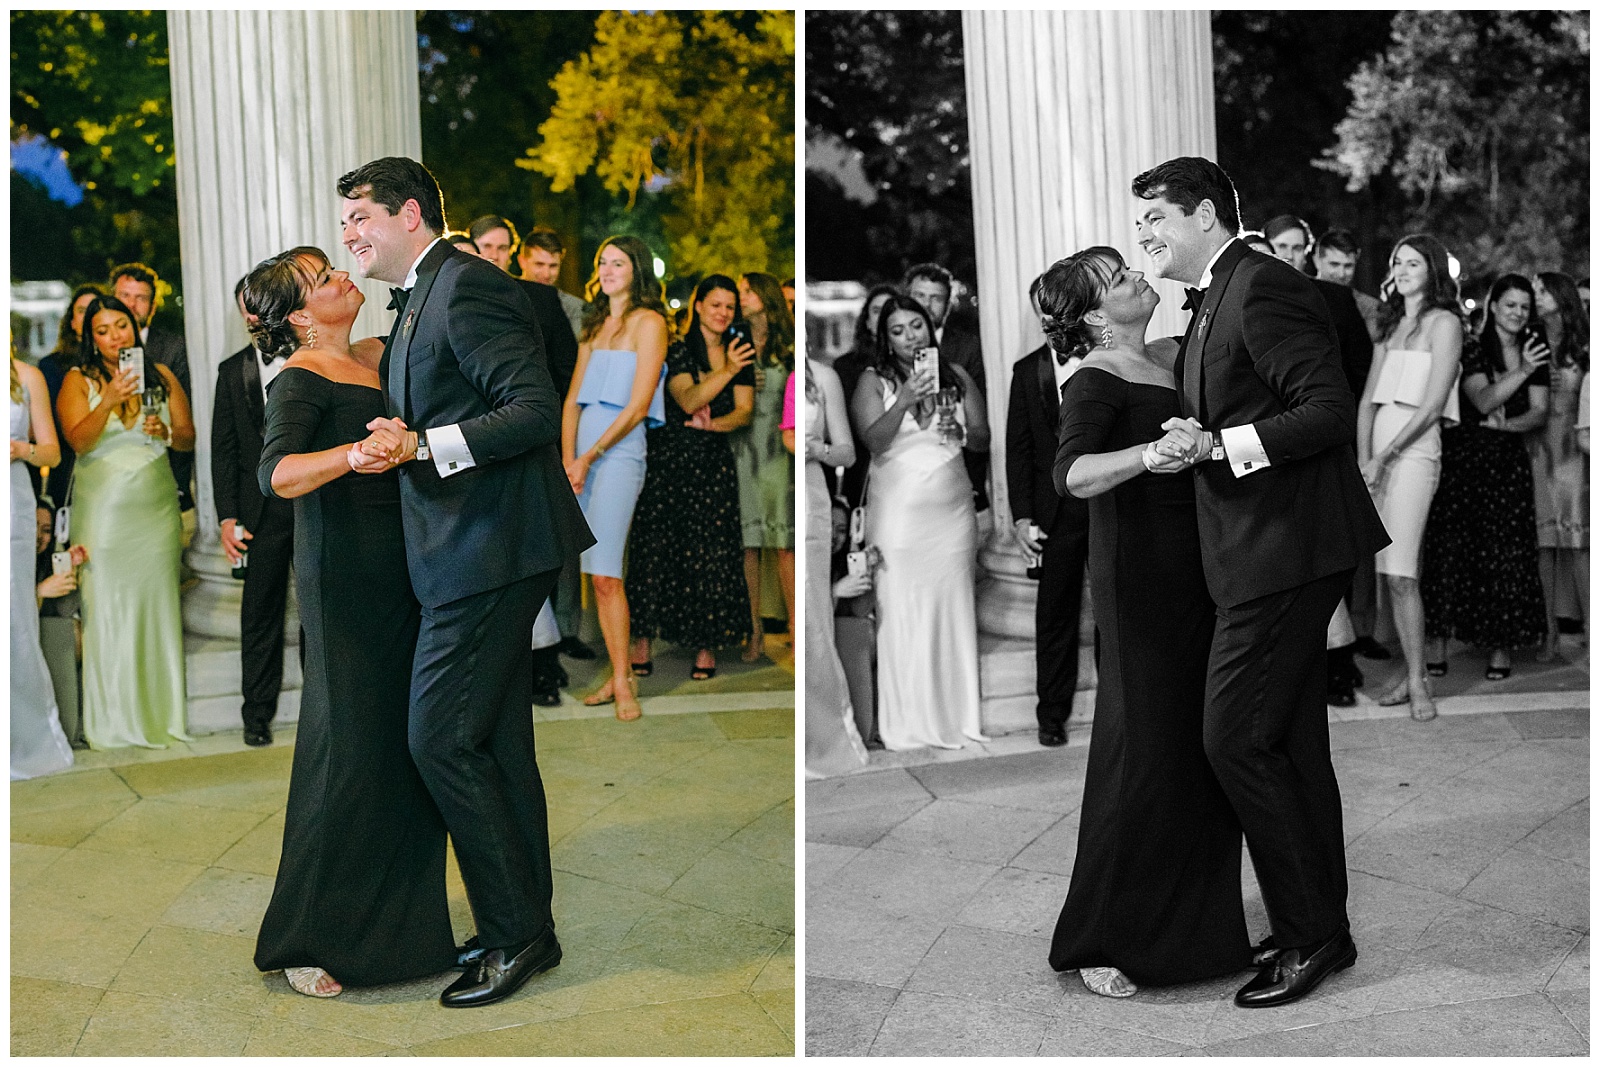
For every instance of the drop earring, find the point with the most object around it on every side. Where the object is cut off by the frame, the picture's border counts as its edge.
(1105, 336)
(311, 337)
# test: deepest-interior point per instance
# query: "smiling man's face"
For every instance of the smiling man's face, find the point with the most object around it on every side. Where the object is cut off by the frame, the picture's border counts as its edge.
(1179, 245)
(383, 244)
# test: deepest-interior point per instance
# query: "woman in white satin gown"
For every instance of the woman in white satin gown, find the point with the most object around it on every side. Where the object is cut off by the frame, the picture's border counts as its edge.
(920, 516)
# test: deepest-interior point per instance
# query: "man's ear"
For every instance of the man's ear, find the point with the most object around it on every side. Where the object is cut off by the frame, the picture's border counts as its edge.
(411, 214)
(1207, 213)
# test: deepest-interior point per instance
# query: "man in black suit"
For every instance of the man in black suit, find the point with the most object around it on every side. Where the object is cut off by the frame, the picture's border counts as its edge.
(252, 523)
(138, 286)
(931, 286)
(1053, 530)
(1283, 517)
(489, 518)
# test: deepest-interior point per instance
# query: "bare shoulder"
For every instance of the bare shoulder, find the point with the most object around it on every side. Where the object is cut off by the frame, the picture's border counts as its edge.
(823, 374)
(1163, 349)
(1442, 324)
(29, 375)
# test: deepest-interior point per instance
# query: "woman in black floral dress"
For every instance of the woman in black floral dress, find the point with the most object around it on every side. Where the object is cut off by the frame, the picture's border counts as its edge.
(685, 551)
(1481, 582)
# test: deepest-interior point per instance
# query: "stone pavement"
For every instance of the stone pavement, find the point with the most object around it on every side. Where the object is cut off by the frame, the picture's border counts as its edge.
(138, 881)
(933, 886)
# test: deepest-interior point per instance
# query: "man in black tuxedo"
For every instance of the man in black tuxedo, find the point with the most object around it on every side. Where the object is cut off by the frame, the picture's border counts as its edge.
(139, 287)
(250, 522)
(490, 518)
(931, 286)
(1053, 530)
(1283, 517)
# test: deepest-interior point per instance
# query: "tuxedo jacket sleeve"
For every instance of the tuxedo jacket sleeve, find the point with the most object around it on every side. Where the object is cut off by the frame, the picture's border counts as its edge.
(236, 428)
(1031, 440)
(469, 352)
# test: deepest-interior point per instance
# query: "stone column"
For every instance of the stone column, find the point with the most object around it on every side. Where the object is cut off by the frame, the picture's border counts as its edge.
(1064, 107)
(269, 109)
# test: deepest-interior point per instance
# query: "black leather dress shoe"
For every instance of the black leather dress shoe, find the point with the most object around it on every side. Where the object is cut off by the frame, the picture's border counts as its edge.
(545, 693)
(469, 953)
(500, 972)
(1296, 972)
(1052, 736)
(571, 646)
(256, 736)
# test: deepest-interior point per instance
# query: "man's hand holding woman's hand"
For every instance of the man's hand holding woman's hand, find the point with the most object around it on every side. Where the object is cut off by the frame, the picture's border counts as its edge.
(390, 445)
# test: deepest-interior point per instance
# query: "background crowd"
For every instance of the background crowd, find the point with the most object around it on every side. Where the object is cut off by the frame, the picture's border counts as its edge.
(675, 436)
(1473, 439)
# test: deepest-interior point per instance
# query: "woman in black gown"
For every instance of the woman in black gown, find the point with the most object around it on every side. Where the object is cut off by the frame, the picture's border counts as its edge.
(685, 553)
(1155, 893)
(360, 896)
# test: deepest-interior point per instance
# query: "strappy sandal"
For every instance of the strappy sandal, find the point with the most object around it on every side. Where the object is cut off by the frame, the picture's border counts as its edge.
(754, 648)
(633, 702)
(698, 673)
(310, 982)
(1107, 982)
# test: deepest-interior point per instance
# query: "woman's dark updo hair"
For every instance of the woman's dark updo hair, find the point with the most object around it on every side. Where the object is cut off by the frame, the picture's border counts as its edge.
(883, 359)
(275, 289)
(1069, 290)
(88, 357)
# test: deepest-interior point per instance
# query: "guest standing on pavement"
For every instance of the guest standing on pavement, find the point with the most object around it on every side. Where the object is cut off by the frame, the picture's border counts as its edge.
(139, 289)
(1481, 582)
(1412, 390)
(54, 367)
(256, 530)
(849, 366)
(1053, 529)
(1560, 470)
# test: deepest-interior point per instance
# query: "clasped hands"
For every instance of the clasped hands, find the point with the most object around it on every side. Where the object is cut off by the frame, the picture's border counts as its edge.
(389, 445)
(1184, 445)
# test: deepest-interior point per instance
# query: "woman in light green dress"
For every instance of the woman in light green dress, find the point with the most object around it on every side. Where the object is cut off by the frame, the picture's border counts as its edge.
(764, 466)
(125, 511)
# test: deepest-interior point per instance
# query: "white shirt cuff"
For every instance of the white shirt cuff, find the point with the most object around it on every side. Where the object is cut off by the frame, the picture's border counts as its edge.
(1245, 454)
(450, 452)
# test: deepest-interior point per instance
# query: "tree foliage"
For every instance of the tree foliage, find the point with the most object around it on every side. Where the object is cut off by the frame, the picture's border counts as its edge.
(890, 85)
(1481, 118)
(693, 110)
(96, 85)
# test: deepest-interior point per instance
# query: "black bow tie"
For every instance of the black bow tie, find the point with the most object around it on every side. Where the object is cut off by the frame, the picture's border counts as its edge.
(1061, 358)
(1193, 298)
(267, 361)
(398, 298)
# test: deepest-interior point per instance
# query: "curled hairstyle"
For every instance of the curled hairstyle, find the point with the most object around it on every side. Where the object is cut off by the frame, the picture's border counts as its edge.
(1440, 292)
(1069, 290)
(864, 336)
(779, 349)
(1574, 322)
(692, 337)
(66, 339)
(275, 289)
(1186, 181)
(88, 359)
(645, 291)
(883, 358)
(393, 180)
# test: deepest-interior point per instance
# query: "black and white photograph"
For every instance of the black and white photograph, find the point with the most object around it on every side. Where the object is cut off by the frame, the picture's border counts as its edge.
(1196, 571)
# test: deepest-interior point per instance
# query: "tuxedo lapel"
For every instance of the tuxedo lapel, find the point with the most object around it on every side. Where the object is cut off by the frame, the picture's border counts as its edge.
(397, 349)
(250, 367)
(1193, 351)
(1047, 388)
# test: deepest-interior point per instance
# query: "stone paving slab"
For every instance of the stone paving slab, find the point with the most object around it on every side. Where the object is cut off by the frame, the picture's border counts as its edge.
(933, 887)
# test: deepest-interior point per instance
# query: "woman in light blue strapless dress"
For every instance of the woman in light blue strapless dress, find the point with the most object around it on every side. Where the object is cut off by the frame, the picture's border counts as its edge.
(38, 744)
(125, 511)
(616, 389)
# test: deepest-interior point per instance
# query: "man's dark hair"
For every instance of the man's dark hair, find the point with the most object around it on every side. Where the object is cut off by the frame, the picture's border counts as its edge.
(484, 223)
(1188, 180)
(460, 239)
(393, 180)
(932, 272)
(543, 237)
(1340, 241)
(787, 283)
(1284, 223)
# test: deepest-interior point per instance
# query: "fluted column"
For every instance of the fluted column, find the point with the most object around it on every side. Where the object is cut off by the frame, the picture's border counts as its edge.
(269, 109)
(1064, 108)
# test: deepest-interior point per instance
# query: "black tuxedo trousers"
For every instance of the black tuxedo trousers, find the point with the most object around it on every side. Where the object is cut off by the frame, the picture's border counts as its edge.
(471, 736)
(1266, 736)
